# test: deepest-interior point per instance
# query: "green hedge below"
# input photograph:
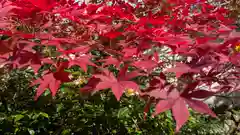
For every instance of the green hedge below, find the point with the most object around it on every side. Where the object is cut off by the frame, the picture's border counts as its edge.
(71, 113)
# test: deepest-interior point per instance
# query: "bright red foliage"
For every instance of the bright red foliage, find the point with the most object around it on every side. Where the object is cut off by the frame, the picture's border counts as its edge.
(136, 35)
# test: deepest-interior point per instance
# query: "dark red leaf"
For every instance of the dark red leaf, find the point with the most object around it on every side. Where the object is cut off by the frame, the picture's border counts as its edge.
(125, 75)
(147, 108)
(189, 88)
(200, 107)
(91, 85)
(201, 94)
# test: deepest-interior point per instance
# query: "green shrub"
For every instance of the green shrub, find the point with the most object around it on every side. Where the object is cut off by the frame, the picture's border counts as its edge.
(73, 113)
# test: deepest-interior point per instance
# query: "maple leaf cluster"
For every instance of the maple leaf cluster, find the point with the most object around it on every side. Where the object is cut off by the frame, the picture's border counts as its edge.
(149, 39)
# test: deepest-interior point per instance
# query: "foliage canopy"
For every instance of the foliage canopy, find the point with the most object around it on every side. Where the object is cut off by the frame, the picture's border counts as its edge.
(126, 46)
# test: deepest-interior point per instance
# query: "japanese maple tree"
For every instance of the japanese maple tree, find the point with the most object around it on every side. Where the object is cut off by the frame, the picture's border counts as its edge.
(178, 46)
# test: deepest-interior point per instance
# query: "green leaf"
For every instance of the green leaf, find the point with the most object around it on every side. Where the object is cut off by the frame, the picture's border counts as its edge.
(59, 107)
(31, 132)
(47, 92)
(16, 130)
(18, 117)
(66, 132)
(123, 112)
(2, 116)
(114, 131)
(44, 114)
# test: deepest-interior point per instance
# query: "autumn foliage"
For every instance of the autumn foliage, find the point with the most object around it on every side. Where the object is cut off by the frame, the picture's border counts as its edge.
(129, 38)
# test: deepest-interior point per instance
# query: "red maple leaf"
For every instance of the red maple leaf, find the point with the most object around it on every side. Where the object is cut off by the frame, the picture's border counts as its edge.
(113, 34)
(118, 85)
(91, 85)
(82, 61)
(145, 64)
(177, 102)
(43, 4)
(111, 61)
(127, 34)
(6, 7)
(181, 68)
(51, 80)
